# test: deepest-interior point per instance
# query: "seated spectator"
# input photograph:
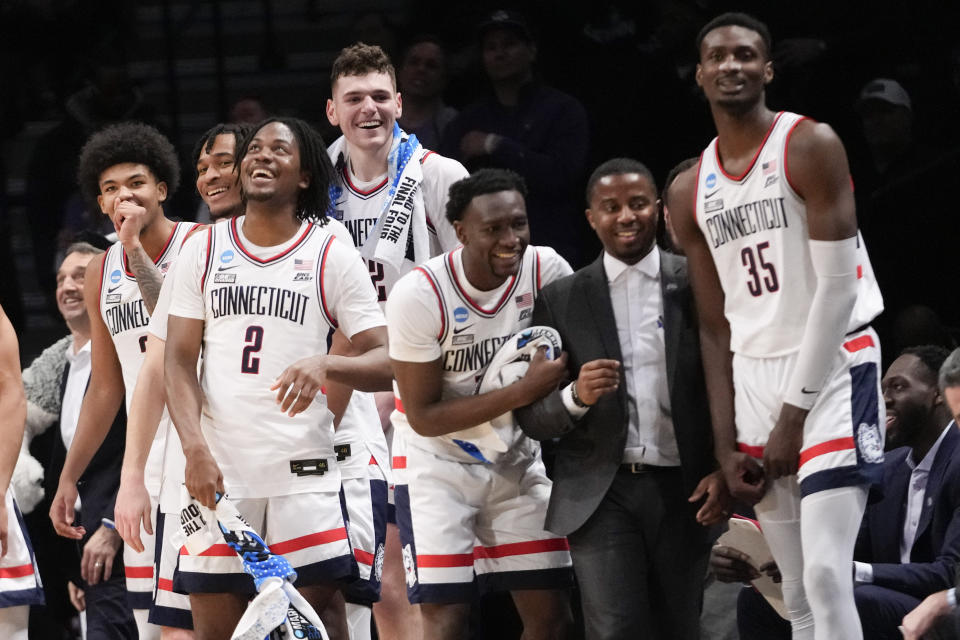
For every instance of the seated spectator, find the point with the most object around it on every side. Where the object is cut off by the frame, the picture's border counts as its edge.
(422, 77)
(529, 127)
(909, 541)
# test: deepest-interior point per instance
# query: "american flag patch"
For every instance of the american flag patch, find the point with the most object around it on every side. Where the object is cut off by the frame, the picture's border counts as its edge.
(302, 265)
(526, 300)
(769, 167)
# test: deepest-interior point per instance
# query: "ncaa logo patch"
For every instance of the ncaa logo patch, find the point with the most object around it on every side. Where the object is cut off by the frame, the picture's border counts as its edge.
(870, 442)
(226, 256)
(460, 314)
(711, 181)
(115, 276)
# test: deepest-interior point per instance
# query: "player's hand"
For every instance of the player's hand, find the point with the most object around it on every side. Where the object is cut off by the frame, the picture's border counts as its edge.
(299, 383)
(131, 507)
(732, 565)
(772, 570)
(744, 477)
(128, 221)
(597, 378)
(716, 508)
(203, 477)
(96, 564)
(922, 618)
(542, 376)
(77, 598)
(781, 456)
(61, 511)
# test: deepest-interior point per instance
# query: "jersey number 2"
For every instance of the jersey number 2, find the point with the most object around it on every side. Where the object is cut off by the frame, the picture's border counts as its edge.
(254, 340)
(756, 284)
(376, 275)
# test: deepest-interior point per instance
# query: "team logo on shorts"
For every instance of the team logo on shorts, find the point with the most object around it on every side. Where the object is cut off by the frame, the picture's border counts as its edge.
(378, 563)
(711, 181)
(870, 442)
(115, 276)
(226, 256)
(460, 314)
(408, 566)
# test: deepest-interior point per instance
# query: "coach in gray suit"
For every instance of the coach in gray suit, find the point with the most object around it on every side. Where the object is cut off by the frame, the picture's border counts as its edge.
(634, 429)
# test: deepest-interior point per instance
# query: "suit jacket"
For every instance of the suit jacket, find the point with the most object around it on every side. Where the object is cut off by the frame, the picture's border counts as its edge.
(590, 450)
(936, 548)
(99, 483)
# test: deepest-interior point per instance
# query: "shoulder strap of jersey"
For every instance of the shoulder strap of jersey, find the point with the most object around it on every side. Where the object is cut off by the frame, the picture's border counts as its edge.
(321, 273)
(438, 291)
(209, 261)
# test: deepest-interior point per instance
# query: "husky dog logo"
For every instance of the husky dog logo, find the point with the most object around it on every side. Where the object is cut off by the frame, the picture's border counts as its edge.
(378, 563)
(870, 442)
(408, 566)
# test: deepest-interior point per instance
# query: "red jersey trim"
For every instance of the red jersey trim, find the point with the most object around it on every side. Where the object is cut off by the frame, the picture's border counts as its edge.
(443, 315)
(209, 261)
(356, 189)
(235, 238)
(858, 344)
(22, 571)
(310, 540)
(522, 548)
(138, 572)
(103, 268)
(716, 151)
(323, 296)
(696, 188)
(160, 256)
(830, 446)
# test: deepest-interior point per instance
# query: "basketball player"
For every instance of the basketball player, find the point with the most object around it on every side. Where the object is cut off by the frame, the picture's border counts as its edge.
(380, 170)
(129, 170)
(218, 186)
(446, 319)
(257, 293)
(785, 295)
(19, 579)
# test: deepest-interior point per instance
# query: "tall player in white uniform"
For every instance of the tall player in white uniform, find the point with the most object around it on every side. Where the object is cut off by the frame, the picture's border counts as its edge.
(464, 509)
(380, 171)
(19, 577)
(785, 295)
(129, 170)
(256, 294)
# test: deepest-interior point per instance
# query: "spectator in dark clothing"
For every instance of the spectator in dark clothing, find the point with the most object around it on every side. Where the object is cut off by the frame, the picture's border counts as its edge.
(422, 77)
(524, 125)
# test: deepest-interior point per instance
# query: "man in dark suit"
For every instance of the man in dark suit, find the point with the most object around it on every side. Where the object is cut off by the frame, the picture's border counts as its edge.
(909, 541)
(633, 426)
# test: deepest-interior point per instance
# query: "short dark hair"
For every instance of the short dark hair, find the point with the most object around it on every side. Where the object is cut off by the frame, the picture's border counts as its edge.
(737, 19)
(134, 142)
(949, 375)
(314, 201)
(205, 143)
(614, 167)
(931, 355)
(359, 59)
(676, 171)
(481, 182)
(421, 38)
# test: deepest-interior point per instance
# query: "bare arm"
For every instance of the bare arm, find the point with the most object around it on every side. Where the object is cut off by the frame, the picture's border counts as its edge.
(13, 415)
(149, 278)
(184, 339)
(103, 398)
(714, 341)
(421, 387)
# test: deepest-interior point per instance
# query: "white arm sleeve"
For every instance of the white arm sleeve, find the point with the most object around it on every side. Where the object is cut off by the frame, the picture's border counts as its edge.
(835, 263)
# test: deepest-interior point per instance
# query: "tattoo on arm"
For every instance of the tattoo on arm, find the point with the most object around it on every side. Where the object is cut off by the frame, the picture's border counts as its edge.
(149, 278)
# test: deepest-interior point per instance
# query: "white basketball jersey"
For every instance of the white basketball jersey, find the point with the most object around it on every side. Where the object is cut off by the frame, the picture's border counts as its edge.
(261, 316)
(470, 332)
(756, 228)
(125, 315)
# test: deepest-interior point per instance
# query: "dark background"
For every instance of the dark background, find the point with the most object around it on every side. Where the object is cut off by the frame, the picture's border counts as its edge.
(181, 65)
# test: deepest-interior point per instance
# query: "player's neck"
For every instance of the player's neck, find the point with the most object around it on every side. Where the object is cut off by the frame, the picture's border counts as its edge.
(740, 134)
(267, 225)
(368, 164)
(154, 237)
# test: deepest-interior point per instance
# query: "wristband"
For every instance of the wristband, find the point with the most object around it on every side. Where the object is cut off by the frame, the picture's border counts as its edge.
(576, 397)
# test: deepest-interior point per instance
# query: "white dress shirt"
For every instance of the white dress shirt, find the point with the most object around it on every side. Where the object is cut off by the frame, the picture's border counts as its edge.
(73, 392)
(638, 311)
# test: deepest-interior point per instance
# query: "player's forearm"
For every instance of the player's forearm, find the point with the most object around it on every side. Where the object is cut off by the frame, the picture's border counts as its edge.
(149, 278)
(718, 365)
(181, 383)
(454, 414)
(13, 416)
(146, 410)
(370, 371)
(99, 409)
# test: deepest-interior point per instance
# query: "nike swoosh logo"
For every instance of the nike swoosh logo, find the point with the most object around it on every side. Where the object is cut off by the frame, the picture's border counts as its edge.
(707, 196)
(222, 268)
(805, 390)
(112, 289)
(459, 329)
